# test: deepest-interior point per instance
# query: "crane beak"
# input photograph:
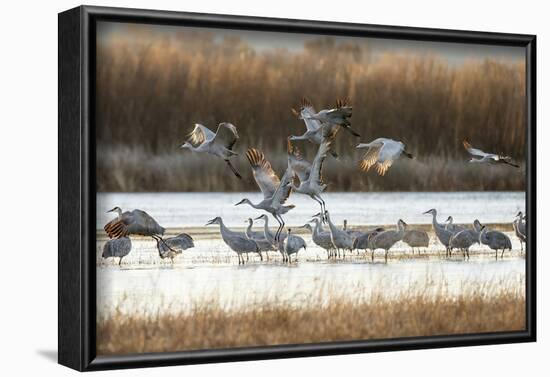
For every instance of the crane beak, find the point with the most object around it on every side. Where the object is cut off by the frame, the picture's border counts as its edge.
(259, 217)
(241, 202)
(360, 146)
(210, 222)
(427, 212)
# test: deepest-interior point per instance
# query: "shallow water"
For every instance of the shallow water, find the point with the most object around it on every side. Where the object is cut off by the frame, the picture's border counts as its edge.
(195, 209)
(209, 272)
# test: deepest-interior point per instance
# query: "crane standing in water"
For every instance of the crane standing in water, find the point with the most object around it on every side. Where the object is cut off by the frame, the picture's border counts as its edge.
(238, 242)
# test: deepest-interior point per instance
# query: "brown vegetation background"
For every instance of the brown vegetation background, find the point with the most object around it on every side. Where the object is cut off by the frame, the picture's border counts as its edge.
(149, 95)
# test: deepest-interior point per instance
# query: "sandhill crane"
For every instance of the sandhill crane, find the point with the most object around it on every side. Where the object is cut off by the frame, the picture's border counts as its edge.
(117, 248)
(385, 240)
(236, 241)
(259, 237)
(465, 238)
(363, 241)
(337, 116)
(291, 245)
(312, 184)
(519, 228)
(268, 234)
(453, 228)
(495, 240)
(381, 153)
(320, 238)
(316, 132)
(275, 191)
(133, 222)
(442, 234)
(416, 238)
(340, 239)
(488, 158)
(220, 144)
(173, 246)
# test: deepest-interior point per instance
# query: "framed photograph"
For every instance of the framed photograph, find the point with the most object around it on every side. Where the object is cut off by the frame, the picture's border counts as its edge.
(239, 188)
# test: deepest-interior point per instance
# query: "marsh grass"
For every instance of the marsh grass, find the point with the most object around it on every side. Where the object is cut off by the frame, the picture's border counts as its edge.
(478, 309)
(135, 169)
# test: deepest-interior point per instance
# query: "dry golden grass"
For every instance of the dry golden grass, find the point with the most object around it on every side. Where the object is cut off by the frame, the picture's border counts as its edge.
(342, 319)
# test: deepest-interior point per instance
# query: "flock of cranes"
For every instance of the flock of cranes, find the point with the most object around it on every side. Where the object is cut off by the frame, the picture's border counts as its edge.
(334, 240)
(306, 178)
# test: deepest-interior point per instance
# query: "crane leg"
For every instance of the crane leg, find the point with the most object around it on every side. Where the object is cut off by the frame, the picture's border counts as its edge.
(233, 169)
(280, 228)
(323, 207)
(386, 257)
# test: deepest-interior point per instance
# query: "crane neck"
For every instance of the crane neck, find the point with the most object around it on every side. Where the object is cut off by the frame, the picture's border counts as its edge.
(331, 225)
(223, 228)
(190, 147)
(119, 213)
(249, 228)
(253, 205)
(435, 224)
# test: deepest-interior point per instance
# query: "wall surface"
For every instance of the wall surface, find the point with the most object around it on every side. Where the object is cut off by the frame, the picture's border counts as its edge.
(28, 148)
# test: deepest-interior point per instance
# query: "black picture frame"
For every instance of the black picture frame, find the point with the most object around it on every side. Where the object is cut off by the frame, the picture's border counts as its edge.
(77, 182)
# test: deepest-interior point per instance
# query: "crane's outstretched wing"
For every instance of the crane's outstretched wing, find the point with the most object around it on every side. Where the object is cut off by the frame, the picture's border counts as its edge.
(116, 229)
(370, 157)
(199, 135)
(473, 151)
(140, 222)
(316, 174)
(283, 190)
(226, 135)
(342, 109)
(299, 165)
(306, 112)
(265, 177)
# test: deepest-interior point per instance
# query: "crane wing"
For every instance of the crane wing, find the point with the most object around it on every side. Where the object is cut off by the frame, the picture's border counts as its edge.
(116, 229)
(306, 112)
(342, 109)
(226, 135)
(265, 177)
(473, 151)
(199, 135)
(316, 174)
(370, 157)
(299, 165)
(283, 190)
